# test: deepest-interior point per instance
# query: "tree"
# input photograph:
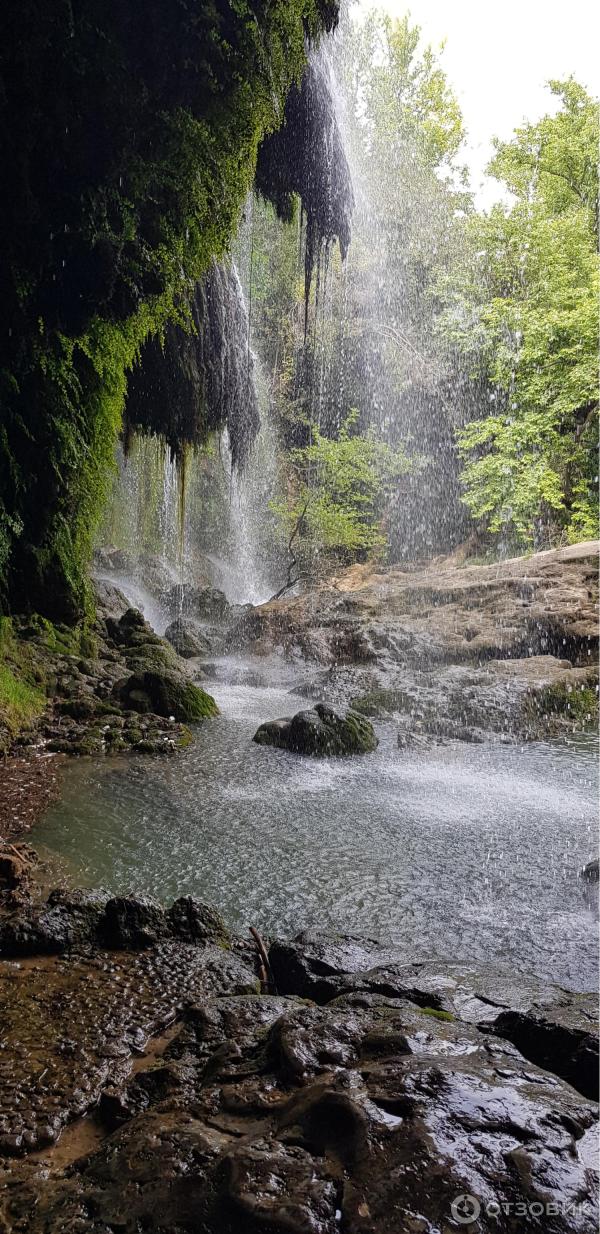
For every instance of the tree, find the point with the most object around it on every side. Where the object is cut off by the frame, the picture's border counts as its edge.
(338, 494)
(530, 467)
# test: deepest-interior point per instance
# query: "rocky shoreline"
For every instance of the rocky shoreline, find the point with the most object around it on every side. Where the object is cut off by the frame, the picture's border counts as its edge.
(506, 651)
(460, 653)
(151, 1082)
(161, 1074)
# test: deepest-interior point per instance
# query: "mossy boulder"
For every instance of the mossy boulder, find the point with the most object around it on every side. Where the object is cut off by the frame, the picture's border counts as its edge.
(166, 694)
(320, 733)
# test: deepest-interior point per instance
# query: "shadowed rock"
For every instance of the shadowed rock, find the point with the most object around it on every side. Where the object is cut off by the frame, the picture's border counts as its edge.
(187, 640)
(590, 871)
(552, 1027)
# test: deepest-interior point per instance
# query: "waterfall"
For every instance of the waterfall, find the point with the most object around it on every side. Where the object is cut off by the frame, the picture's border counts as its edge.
(201, 390)
(199, 516)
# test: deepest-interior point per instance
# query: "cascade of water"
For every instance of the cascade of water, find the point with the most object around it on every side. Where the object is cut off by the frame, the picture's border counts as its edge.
(201, 518)
(370, 343)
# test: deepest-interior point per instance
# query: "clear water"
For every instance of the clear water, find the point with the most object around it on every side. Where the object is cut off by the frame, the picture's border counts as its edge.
(466, 852)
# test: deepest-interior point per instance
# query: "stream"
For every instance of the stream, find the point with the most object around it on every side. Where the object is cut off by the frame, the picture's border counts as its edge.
(469, 853)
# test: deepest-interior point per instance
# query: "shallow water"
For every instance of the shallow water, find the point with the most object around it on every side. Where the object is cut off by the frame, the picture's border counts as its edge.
(465, 852)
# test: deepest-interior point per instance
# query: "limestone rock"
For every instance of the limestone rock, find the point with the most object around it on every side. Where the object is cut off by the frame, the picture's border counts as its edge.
(367, 1115)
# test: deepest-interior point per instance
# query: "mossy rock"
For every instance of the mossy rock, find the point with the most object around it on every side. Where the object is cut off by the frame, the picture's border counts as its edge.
(320, 733)
(152, 657)
(381, 703)
(576, 703)
(168, 695)
(154, 745)
(436, 1014)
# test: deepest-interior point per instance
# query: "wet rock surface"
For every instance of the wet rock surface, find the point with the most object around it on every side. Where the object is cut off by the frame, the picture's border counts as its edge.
(319, 733)
(551, 1026)
(456, 652)
(75, 917)
(259, 1114)
(187, 639)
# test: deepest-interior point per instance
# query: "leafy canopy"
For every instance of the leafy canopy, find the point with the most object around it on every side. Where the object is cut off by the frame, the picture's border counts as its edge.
(530, 467)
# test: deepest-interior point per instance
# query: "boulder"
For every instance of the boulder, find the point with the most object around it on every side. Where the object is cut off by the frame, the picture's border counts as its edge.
(187, 640)
(68, 919)
(72, 918)
(201, 603)
(194, 922)
(110, 600)
(133, 922)
(131, 630)
(166, 694)
(319, 733)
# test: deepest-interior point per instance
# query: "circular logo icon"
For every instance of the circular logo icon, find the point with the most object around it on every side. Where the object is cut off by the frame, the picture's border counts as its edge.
(465, 1209)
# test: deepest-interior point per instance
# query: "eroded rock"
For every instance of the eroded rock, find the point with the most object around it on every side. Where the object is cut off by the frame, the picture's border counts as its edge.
(264, 1115)
(554, 1028)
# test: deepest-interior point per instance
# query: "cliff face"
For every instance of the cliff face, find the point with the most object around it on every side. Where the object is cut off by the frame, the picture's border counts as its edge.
(129, 144)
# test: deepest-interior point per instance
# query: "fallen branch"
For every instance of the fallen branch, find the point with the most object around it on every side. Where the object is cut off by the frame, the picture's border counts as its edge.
(265, 973)
(21, 856)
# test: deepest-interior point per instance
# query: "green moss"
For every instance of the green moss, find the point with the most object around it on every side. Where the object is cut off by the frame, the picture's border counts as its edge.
(184, 739)
(435, 1014)
(168, 694)
(196, 704)
(20, 703)
(21, 698)
(382, 702)
(577, 704)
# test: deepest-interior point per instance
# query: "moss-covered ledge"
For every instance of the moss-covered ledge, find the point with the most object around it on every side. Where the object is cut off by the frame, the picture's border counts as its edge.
(129, 142)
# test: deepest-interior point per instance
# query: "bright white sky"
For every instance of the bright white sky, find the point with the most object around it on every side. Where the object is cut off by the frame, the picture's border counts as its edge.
(498, 57)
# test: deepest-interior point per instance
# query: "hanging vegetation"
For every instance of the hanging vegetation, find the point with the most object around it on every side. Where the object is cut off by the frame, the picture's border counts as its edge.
(306, 156)
(129, 142)
(200, 378)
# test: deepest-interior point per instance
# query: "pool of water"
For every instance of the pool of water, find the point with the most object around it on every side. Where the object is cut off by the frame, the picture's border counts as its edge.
(464, 852)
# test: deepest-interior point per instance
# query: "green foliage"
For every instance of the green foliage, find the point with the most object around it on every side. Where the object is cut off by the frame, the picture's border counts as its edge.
(340, 491)
(532, 309)
(129, 144)
(20, 703)
(21, 699)
(401, 93)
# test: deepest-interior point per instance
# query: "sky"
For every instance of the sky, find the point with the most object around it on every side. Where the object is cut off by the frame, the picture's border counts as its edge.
(498, 57)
